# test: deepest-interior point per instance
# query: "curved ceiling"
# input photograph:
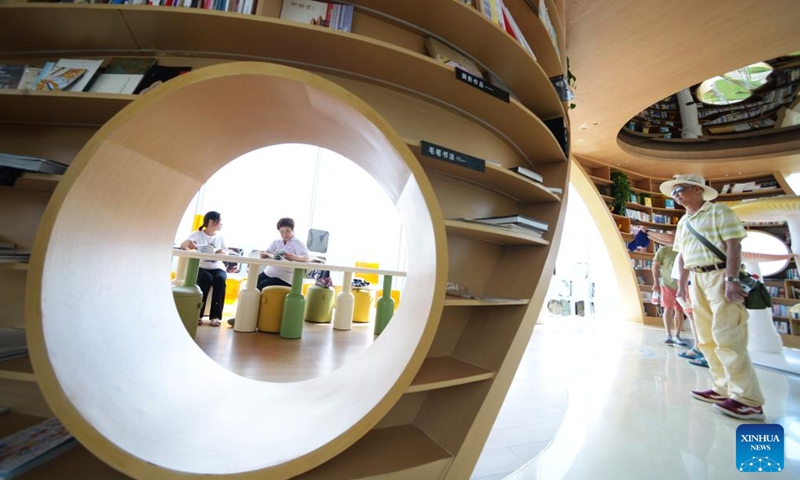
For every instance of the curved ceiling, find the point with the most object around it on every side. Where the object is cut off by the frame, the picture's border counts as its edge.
(629, 54)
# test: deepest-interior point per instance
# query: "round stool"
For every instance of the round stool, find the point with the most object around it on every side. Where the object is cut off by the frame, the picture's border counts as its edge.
(271, 308)
(319, 304)
(362, 302)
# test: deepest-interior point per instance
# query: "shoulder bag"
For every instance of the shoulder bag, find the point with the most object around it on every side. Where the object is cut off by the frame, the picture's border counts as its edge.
(758, 296)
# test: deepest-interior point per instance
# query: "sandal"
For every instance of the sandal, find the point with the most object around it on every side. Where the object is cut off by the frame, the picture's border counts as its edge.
(216, 322)
(699, 362)
(691, 354)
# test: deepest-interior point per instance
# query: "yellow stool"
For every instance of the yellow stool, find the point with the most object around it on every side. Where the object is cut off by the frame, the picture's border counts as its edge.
(372, 278)
(271, 308)
(361, 307)
(232, 287)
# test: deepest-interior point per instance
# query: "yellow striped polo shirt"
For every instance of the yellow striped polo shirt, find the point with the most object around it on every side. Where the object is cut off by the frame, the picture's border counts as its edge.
(717, 223)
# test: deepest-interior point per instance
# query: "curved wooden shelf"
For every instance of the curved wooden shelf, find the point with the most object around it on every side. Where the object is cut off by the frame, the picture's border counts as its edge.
(526, 78)
(17, 369)
(600, 181)
(384, 451)
(497, 179)
(443, 372)
(244, 37)
(471, 302)
(642, 255)
(488, 233)
(37, 181)
(13, 266)
(653, 224)
(676, 211)
(60, 108)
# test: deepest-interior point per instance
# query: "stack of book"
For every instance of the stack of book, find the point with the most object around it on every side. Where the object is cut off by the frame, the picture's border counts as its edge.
(33, 446)
(531, 175)
(517, 223)
(12, 166)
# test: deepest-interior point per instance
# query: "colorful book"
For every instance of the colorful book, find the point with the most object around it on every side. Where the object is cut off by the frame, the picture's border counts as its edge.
(90, 66)
(26, 449)
(57, 78)
(493, 10)
(29, 78)
(324, 14)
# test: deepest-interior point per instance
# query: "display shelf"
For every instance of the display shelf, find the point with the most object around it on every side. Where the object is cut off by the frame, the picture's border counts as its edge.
(652, 224)
(489, 233)
(515, 67)
(537, 37)
(77, 109)
(443, 372)
(642, 255)
(495, 178)
(17, 369)
(403, 450)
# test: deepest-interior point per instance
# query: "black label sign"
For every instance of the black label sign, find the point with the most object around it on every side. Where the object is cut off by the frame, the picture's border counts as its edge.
(451, 156)
(481, 84)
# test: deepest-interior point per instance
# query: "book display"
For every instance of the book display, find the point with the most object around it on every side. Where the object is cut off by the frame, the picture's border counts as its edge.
(28, 448)
(466, 348)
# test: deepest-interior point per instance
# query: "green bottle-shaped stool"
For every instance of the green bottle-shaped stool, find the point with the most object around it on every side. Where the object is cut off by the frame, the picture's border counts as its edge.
(385, 308)
(293, 308)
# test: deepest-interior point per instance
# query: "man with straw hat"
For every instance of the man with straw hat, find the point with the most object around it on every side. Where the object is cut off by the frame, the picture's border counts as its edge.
(716, 295)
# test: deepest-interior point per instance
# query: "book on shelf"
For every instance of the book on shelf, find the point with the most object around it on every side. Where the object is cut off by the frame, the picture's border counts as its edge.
(517, 219)
(31, 164)
(28, 448)
(159, 74)
(493, 10)
(53, 78)
(69, 74)
(515, 32)
(526, 172)
(555, 190)
(558, 127)
(29, 78)
(122, 75)
(451, 57)
(525, 230)
(324, 14)
(13, 343)
(562, 88)
(11, 76)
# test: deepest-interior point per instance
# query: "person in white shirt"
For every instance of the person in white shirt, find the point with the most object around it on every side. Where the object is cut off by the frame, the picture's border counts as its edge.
(287, 247)
(207, 239)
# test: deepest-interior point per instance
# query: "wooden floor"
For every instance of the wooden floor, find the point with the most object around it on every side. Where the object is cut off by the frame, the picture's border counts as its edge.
(268, 357)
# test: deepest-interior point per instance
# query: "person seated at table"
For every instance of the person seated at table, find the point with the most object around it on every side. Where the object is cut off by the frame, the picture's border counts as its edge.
(207, 239)
(286, 247)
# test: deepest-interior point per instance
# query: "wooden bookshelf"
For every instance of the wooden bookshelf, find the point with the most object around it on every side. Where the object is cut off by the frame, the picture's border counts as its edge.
(37, 181)
(473, 353)
(19, 369)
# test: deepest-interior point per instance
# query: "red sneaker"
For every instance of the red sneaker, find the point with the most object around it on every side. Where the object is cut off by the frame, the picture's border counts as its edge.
(709, 396)
(739, 410)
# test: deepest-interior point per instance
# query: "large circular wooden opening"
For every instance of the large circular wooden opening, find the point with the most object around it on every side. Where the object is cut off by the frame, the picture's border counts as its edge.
(109, 351)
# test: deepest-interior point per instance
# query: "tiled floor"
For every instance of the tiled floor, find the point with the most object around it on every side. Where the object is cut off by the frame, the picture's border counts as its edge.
(594, 400)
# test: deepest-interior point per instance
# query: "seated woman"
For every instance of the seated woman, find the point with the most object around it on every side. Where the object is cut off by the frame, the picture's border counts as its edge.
(287, 247)
(207, 239)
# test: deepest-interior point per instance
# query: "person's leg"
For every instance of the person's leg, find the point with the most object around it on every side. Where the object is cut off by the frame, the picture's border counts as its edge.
(218, 298)
(268, 281)
(701, 310)
(667, 317)
(678, 320)
(729, 328)
(204, 281)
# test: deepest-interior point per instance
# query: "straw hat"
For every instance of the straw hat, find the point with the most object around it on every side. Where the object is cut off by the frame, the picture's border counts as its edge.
(690, 179)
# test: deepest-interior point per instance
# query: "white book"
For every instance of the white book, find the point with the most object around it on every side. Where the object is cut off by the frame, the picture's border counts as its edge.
(116, 83)
(308, 12)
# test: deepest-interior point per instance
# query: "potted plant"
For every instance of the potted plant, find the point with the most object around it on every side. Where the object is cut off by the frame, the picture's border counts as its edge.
(621, 191)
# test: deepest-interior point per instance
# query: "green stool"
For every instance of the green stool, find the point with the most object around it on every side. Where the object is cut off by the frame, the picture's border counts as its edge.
(319, 304)
(189, 298)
